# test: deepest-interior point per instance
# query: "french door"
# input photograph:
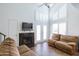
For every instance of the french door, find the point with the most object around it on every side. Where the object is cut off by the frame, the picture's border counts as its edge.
(41, 33)
(41, 24)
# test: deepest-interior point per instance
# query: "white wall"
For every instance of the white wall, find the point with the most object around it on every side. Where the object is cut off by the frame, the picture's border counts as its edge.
(20, 12)
(73, 19)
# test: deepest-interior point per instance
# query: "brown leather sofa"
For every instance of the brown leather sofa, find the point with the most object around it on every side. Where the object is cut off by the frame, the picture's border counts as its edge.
(8, 48)
(65, 43)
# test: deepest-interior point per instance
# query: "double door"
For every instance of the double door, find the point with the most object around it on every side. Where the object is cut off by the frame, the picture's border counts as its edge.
(41, 23)
(41, 33)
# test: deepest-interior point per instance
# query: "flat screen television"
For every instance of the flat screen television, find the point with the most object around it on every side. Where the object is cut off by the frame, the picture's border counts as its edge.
(27, 26)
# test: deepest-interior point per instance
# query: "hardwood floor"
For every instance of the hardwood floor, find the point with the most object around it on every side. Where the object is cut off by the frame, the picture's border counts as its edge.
(45, 50)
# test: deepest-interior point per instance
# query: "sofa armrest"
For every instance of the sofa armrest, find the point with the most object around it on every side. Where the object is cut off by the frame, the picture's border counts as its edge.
(74, 45)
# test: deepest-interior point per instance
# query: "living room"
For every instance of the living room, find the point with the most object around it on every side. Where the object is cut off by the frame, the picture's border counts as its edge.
(34, 24)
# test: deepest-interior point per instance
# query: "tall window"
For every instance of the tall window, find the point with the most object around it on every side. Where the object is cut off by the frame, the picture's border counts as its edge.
(44, 32)
(38, 32)
(55, 28)
(41, 23)
(62, 11)
(62, 28)
(58, 20)
(55, 16)
(59, 28)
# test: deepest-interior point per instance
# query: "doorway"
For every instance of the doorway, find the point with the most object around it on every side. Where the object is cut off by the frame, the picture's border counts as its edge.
(41, 24)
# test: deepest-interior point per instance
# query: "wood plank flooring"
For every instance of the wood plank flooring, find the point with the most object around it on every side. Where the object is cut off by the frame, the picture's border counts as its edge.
(45, 50)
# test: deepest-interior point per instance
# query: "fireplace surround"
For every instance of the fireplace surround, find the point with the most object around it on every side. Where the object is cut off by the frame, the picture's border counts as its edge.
(27, 39)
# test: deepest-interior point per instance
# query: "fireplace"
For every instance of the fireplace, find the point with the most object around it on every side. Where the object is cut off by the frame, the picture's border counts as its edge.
(27, 39)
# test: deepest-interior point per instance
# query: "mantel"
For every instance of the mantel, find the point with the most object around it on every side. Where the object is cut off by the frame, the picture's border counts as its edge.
(26, 32)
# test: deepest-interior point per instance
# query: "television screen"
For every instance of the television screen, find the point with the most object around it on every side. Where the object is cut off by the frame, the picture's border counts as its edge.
(27, 26)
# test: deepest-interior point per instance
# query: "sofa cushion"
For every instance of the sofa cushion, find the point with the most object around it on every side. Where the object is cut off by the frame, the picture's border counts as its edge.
(9, 48)
(14, 51)
(4, 50)
(63, 45)
(9, 41)
(29, 53)
(56, 36)
(23, 48)
(67, 38)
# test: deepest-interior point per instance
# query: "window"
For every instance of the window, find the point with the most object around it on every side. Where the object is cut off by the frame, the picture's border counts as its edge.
(58, 18)
(62, 12)
(62, 28)
(55, 16)
(44, 32)
(38, 28)
(58, 13)
(55, 28)
(59, 28)
(41, 24)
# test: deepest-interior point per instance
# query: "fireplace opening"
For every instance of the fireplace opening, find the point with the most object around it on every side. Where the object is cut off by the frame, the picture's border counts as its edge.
(27, 39)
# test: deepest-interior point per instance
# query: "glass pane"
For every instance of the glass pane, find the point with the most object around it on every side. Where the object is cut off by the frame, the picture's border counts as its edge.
(62, 28)
(44, 32)
(55, 16)
(55, 28)
(62, 12)
(38, 28)
(43, 13)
